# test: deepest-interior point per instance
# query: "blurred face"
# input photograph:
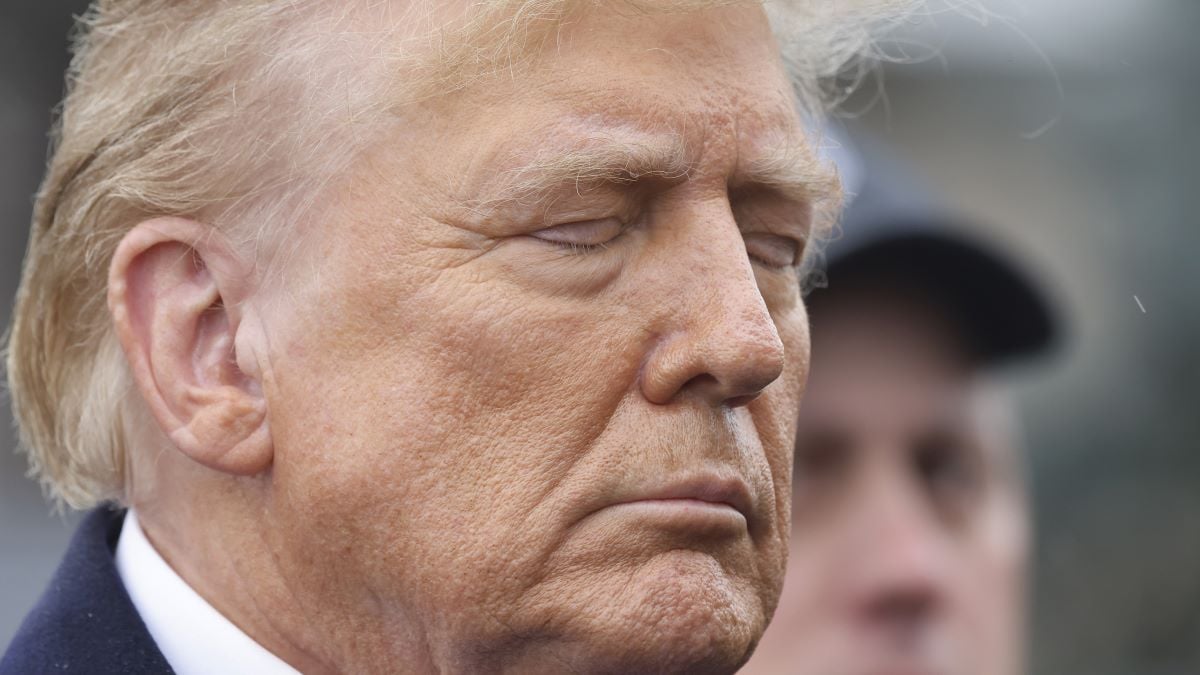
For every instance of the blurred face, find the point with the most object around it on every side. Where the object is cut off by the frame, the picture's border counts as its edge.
(533, 405)
(908, 540)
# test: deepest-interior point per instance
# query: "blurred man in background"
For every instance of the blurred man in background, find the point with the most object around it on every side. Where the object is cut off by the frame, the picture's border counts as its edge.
(910, 528)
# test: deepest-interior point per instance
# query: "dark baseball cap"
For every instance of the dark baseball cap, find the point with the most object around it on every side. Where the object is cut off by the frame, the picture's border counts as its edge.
(895, 232)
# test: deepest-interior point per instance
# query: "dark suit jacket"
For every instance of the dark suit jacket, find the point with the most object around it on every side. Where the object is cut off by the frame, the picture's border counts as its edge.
(85, 621)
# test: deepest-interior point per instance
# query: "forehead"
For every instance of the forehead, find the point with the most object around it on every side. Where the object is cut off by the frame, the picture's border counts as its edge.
(688, 72)
(699, 69)
(692, 94)
(887, 361)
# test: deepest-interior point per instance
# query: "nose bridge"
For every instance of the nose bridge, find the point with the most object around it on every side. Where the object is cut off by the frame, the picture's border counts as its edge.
(726, 291)
(897, 530)
(738, 318)
(724, 341)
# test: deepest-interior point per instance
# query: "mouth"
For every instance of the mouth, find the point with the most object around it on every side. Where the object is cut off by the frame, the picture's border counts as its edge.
(698, 502)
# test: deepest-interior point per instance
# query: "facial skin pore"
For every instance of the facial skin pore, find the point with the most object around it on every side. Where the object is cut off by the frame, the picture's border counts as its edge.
(909, 533)
(486, 363)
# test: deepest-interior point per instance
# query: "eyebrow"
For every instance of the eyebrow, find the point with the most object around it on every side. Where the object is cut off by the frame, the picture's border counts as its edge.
(791, 168)
(594, 161)
(786, 166)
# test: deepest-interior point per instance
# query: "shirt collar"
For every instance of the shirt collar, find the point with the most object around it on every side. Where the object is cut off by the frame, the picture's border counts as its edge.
(193, 636)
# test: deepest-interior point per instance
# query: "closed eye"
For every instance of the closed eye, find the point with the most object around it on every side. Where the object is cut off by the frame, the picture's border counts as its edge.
(773, 250)
(775, 229)
(582, 236)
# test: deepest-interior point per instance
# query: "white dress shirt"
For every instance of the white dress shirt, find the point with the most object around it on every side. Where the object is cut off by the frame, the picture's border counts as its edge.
(193, 636)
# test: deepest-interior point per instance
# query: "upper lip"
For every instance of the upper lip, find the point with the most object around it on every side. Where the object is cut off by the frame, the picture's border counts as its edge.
(710, 488)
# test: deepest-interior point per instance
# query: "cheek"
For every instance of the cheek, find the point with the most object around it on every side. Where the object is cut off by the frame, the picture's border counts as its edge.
(1000, 558)
(987, 589)
(808, 589)
(775, 414)
(778, 420)
(438, 420)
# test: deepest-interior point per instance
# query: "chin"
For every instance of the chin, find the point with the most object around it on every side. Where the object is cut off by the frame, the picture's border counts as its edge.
(682, 613)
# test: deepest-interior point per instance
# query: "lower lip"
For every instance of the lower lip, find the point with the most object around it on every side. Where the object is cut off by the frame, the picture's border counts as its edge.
(684, 514)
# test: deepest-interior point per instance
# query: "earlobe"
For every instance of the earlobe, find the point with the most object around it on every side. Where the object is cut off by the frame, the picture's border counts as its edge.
(175, 290)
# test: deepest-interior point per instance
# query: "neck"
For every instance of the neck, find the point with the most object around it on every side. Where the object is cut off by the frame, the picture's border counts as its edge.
(226, 547)
(289, 587)
(222, 555)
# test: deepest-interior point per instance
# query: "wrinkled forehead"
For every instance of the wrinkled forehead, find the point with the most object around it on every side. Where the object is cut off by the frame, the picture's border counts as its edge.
(627, 138)
(430, 48)
(667, 96)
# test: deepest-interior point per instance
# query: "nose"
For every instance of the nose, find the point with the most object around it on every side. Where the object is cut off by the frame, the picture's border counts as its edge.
(722, 345)
(901, 560)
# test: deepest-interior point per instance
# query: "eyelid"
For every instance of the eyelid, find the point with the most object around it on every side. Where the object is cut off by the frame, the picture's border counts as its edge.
(583, 233)
(773, 250)
(769, 225)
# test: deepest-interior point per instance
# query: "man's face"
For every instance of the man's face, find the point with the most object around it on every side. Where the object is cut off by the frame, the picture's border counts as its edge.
(539, 413)
(908, 541)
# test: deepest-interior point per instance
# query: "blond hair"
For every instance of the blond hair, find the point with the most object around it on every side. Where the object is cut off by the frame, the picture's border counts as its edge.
(220, 111)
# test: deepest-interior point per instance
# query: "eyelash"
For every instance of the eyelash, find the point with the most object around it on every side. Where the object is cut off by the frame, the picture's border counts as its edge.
(573, 249)
(576, 249)
(801, 249)
(581, 249)
(764, 263)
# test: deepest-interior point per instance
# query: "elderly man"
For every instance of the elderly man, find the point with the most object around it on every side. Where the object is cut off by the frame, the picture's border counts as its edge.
(422, 337)
(909, 525)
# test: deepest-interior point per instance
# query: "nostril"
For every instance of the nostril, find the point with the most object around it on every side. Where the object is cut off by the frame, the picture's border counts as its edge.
(739, 401)
(904, 607)
(705, 383)
(719, 392)
(902, 616)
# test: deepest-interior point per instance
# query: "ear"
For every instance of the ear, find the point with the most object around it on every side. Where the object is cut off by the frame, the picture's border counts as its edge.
(174, 291)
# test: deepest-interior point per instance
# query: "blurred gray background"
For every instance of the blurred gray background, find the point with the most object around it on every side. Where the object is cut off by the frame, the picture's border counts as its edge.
(1098, 189)
(1069, 130)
